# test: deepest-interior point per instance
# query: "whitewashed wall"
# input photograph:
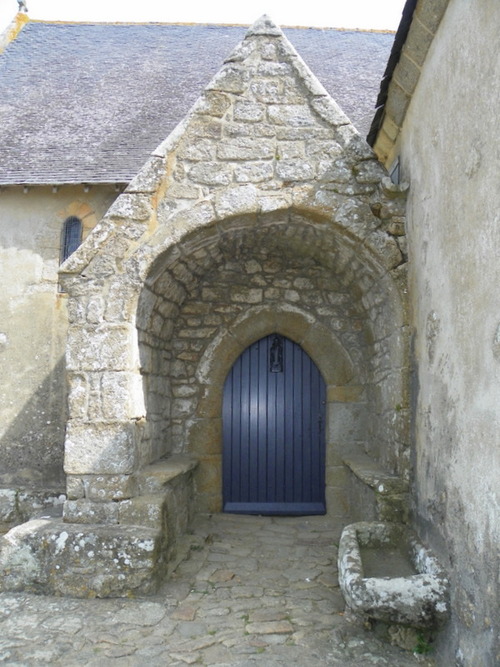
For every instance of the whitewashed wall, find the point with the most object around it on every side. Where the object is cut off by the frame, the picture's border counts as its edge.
(450, 150)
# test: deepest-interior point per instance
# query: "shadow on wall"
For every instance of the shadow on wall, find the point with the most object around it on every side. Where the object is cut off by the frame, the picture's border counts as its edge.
(32, 448)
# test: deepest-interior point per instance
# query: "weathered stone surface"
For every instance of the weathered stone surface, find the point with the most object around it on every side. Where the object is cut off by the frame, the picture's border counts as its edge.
(345, 394)
(43, 556)
(8, 509)
(90, 512)
(154, 478)
(99, 348)
(249, 112)
(214, 104)
(133, 206)
(202, 150)
(370, 171)
(329, 110)
(75, 488)
(253, 173)
(373, 475)
(231, 79)
(110, 487)
(294, 171)
(149, 178)
(236, 201)
(291, 115)
(211, 173)
(23, 503)
(142, 511)
(100, 449)
(245, 149)
(247, 295)
(270, 627)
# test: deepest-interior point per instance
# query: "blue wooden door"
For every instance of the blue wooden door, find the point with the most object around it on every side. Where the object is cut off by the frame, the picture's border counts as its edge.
(274, 431)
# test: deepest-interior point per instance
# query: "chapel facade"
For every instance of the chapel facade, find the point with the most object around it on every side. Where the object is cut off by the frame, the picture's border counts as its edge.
(262, 262)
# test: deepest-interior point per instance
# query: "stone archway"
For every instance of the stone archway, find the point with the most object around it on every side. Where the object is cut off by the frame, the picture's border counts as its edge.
(229, 284)
(321, 345)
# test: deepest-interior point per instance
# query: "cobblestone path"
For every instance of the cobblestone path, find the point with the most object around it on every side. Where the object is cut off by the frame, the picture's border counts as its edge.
(251, 591)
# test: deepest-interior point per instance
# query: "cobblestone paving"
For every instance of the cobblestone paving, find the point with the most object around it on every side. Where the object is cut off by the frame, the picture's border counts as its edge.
(252, 590)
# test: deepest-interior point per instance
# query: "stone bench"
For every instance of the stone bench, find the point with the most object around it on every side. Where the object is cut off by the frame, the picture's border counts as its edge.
(129, 556)
(375, 494)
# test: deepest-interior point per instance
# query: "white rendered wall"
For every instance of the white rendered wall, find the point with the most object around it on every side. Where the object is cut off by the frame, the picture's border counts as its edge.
(450, 150)
(33, 324)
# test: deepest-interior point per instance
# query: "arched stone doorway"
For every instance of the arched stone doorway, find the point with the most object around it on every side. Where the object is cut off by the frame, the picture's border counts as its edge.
(230, 284)
(273, 431)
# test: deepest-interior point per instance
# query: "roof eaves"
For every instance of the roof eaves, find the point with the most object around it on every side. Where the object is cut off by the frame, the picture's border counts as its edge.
(419, 23)
(59, 182)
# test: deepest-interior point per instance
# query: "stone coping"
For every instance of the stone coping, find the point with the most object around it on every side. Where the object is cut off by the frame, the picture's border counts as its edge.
(371, 473)
(155, 477)
(21, 503)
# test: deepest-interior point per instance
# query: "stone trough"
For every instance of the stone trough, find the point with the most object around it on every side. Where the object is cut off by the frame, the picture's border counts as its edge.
(386, 574)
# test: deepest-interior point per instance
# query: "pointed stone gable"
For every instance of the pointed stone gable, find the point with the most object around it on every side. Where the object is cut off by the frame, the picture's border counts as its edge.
(264, 136)
(261, 131)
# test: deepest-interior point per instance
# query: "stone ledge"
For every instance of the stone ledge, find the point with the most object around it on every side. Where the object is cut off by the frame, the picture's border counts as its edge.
(55, 558)
(374, 493)
(372, 474)
(19, 504)
(153, 486)
(104, 549)
(155, 477)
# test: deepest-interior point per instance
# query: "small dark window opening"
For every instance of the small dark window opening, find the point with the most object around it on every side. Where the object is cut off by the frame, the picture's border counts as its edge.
(71, 236)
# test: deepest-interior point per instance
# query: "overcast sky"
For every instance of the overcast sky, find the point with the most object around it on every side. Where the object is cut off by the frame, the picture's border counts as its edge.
(364, 14)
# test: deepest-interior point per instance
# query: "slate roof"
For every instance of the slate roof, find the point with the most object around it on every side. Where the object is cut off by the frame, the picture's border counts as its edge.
(87, 103)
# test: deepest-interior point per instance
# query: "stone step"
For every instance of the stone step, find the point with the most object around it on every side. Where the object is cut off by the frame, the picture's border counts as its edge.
(162, 488)
(19, 504)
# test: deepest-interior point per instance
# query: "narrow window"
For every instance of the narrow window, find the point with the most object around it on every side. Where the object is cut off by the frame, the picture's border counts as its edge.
(71, 236)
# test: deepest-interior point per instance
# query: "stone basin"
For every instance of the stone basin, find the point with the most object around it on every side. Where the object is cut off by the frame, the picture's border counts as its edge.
(385, 573)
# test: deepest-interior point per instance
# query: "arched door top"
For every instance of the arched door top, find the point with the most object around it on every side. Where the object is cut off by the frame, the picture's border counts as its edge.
(274, 431)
